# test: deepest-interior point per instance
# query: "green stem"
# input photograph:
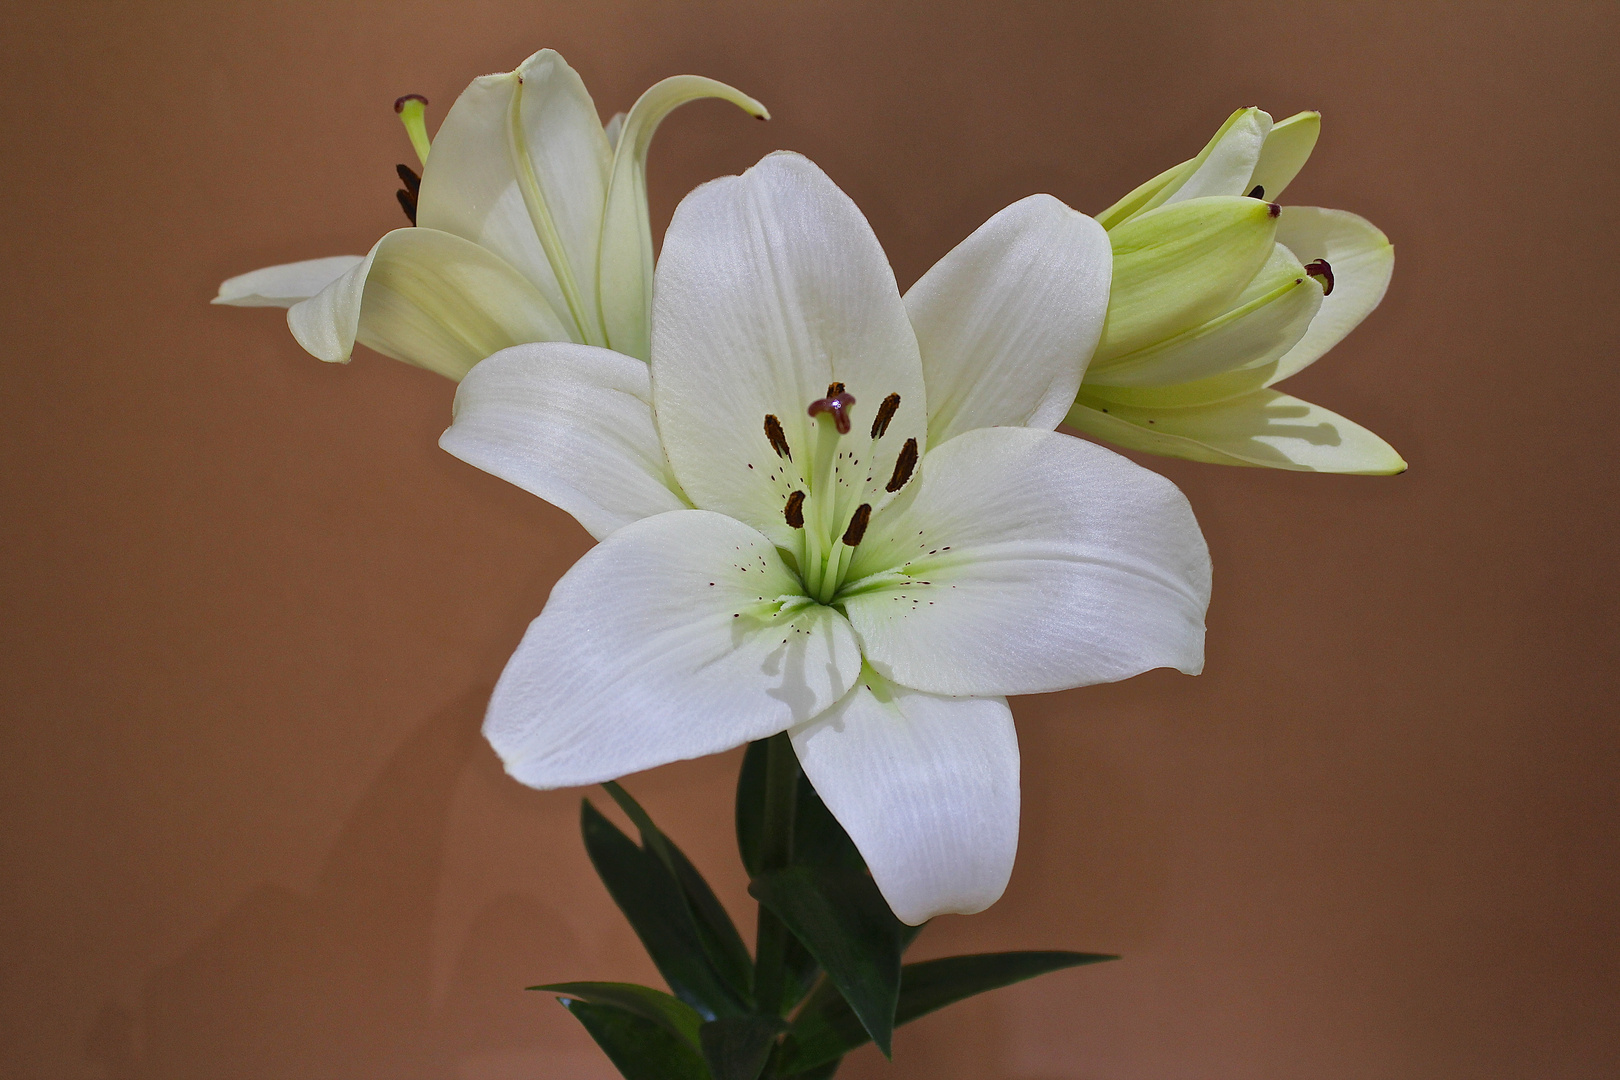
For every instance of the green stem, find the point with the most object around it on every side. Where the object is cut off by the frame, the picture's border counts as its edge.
(776, 853)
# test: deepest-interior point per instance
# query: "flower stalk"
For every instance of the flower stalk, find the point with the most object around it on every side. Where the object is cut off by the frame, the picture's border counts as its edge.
(776, 853)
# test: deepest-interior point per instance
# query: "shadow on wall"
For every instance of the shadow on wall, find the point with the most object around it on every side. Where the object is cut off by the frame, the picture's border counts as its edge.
(339, 983)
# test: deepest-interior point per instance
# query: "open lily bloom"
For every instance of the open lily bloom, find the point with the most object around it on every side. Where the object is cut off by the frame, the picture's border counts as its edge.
(531, 225)
(1220, 294)
(828, 510)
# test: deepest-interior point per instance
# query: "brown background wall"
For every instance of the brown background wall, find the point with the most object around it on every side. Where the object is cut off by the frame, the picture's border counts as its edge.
(250, 609)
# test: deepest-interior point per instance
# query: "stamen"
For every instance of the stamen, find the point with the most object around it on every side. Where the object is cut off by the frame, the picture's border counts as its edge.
(903, 466)
(794, 511)
(412, 110)
(857, 525)
(837, 403)
(885, 413)
(777, 437)
(409, 177)
(1323, 273)
(1258, 192)
(407, 204)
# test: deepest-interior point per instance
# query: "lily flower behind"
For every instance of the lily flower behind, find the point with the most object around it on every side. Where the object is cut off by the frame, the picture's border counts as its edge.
(829, 510)
(1219, 293)
(530, 222)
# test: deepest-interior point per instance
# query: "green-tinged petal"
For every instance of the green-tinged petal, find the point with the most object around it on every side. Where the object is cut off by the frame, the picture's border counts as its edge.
(1227, 163)
(285, 285)
(1362, 259)
(520, 166)
(1271, 315)
(625, 273)
(1132, 204)
(1266, 429)
(429, 298)
(1287, 149)
(1180, 266)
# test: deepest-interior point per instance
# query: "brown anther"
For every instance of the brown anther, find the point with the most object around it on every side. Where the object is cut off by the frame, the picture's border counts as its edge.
(407, 204)
(903, 466)
(836, 405)
(399, 103)
(1258, 192)
(857, 525)
(794, 511)
(409, 177)
(1323, 273)
(777, 437)
(885, 413)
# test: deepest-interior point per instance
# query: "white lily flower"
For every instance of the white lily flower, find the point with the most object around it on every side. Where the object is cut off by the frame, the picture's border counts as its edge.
(531, 225)
(832, 511)
(1219, 295)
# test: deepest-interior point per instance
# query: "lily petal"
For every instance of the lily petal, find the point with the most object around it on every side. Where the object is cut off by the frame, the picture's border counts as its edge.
(656, 646)
(520, 166)
(1362, 259)
(626, 267)
(428, 298)
(926, 786)
(1264, 428)
(570, 423)
(1271, 315)
(1028, 562)
(1008, 319)
(1288, 147)
(772, 285)
(284, 285)
(1226, 165)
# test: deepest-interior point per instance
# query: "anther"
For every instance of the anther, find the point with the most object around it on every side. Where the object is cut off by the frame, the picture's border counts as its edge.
(885, 413)
(1258, 192)
(794, 511)
(857, 525)
(837, 403)
(412, 110)
(409, 177)
(903, 465)
(777, 437)
(1323, 273)
(407, 204)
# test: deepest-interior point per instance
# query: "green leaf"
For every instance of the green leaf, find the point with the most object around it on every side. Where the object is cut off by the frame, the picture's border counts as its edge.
(750, 810)
(736, 1047)
(818, 839)
(826, 1028)
(721, 941)
(820, 1072)
(652, 900)
(639, 1048)
(844, 922)
(672, 1014)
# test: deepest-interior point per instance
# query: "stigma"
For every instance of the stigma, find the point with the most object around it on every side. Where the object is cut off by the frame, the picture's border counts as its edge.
(837, 403)
(1322, 271)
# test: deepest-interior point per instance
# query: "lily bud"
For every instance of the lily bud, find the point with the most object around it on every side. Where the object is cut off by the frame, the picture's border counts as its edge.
(1218, 293)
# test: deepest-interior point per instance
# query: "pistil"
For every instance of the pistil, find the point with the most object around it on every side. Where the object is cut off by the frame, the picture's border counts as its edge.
(412, 110)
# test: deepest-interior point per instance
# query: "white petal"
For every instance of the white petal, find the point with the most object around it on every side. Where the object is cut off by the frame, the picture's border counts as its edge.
(1264, 428)
(428, 298)
(1288, 146)
(657, 646)
(520, 166)
(284, 285)
(926, 786)
(625, 273)
(1030, 562)
(1362, 259)
(771, 285)
(570, 423)
(1008, 319)
(1229, 160)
